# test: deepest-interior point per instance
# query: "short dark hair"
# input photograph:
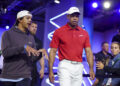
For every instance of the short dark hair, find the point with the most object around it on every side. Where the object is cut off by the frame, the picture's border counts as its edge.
(104, 43)
(17, 21)
(34, 22)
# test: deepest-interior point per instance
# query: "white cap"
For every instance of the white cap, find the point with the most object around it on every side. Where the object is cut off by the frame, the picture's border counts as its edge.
(23, 13)
(73, 10)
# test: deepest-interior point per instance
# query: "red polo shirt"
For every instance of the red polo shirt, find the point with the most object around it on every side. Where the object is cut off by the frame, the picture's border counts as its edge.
(70, 42)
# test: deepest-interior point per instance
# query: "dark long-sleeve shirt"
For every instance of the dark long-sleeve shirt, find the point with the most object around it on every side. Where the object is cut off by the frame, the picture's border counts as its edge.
(35, 73)
(101, 57)
(112, 70)
(17, 64)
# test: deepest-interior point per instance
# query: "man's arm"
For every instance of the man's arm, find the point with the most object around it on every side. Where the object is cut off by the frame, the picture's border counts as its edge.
(42, 67)
(51, 62)
(108, 69)
(112, 70)
(8, 50)
(44, 53)
(90, 61)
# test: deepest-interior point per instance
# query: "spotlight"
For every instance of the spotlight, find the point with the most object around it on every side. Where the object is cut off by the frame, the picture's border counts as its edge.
(7, 27)
(119, 10)
(95, 5)
(57, 1)
(107, 4)
(3, 10)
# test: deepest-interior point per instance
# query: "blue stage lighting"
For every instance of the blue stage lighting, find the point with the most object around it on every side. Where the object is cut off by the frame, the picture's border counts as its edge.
(94, 4)
(107, 4)
(57, 1)
(119, 10)
(7, 27)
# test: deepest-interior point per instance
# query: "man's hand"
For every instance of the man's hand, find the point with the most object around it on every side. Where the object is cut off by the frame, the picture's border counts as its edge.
(32, 51)
(41, 73)
(44, 53)
(99, 65)
(92, 74)
(51, 77)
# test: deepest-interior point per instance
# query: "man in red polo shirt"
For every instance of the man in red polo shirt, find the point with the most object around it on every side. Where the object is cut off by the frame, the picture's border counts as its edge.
(70, 40)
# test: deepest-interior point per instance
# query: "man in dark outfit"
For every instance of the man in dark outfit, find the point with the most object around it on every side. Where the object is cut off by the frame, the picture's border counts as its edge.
(37, 77)
(104, 57)
(17, 48)
(116, 38)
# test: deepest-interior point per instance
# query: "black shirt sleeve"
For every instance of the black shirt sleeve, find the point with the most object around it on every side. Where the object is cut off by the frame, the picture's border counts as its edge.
(38, 43)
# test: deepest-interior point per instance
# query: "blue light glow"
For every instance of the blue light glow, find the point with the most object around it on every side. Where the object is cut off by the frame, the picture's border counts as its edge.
(95, 5)
(119, 10)
(7, 27)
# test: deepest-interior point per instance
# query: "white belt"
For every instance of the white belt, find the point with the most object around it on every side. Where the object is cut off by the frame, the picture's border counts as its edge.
(72, 62)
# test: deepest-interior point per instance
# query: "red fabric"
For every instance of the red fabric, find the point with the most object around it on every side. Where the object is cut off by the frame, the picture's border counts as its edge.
(70, 42)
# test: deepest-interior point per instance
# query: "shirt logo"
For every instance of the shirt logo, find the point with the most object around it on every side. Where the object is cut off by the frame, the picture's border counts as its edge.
(81, 35)
(29, 42)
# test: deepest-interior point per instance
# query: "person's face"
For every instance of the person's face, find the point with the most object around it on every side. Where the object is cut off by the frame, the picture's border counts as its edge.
(33, 28)
(105, 47)
(115, 49)
(73, 19)
(26, 21)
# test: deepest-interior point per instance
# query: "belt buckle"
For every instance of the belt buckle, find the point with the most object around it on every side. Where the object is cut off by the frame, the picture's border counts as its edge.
(74, 62)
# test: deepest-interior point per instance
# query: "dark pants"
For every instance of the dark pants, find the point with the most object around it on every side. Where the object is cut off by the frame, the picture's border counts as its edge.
(100, 81)
(36, 80)
(24, 82)
(99, 75)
